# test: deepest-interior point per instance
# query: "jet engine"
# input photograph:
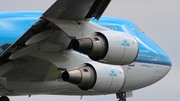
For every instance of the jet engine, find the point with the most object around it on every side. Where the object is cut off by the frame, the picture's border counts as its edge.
(94, 76)
(108, 47)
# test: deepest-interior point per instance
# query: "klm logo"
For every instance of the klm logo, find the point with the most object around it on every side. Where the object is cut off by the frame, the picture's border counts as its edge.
(113, 74)
(125, 43)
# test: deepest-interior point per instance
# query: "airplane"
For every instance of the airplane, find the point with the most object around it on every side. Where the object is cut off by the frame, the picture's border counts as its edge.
(71, 49)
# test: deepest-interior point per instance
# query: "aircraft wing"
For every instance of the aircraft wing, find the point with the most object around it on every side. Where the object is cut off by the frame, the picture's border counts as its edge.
(77, 9)
(63, 10)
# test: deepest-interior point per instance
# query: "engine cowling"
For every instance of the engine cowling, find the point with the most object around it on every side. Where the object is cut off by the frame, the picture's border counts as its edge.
(98, 77)
(109, 47)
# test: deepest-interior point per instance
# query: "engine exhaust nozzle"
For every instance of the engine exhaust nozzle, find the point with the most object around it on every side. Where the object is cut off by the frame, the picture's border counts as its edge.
(83, 77)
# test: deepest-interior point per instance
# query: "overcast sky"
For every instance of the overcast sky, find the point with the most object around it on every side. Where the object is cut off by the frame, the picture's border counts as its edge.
(159, 19)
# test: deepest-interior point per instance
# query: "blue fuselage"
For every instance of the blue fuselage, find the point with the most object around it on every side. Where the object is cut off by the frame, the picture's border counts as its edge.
(14, 24)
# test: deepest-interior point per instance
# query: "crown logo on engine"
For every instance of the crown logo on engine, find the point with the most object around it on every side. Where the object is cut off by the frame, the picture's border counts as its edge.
(125, 43)
(113, 74)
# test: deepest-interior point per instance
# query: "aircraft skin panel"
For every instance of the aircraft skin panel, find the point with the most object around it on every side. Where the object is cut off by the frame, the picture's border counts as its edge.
(59, 87)
(39, 71)
(61, 9)
(79, 28)
(77, 9)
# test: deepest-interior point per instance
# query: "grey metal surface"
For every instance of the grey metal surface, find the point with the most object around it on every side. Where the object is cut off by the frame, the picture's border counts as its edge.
(77, 9)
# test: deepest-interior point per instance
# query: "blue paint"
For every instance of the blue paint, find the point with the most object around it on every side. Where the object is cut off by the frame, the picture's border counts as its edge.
(149, 51)
(14, 24)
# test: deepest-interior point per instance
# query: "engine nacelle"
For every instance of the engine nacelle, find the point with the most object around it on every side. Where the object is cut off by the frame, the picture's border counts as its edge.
(109, 47)
(98, 77)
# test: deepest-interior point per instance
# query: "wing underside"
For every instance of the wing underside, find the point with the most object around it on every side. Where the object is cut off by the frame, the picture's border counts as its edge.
(63, 10)
(45, 36)
(77, 9)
